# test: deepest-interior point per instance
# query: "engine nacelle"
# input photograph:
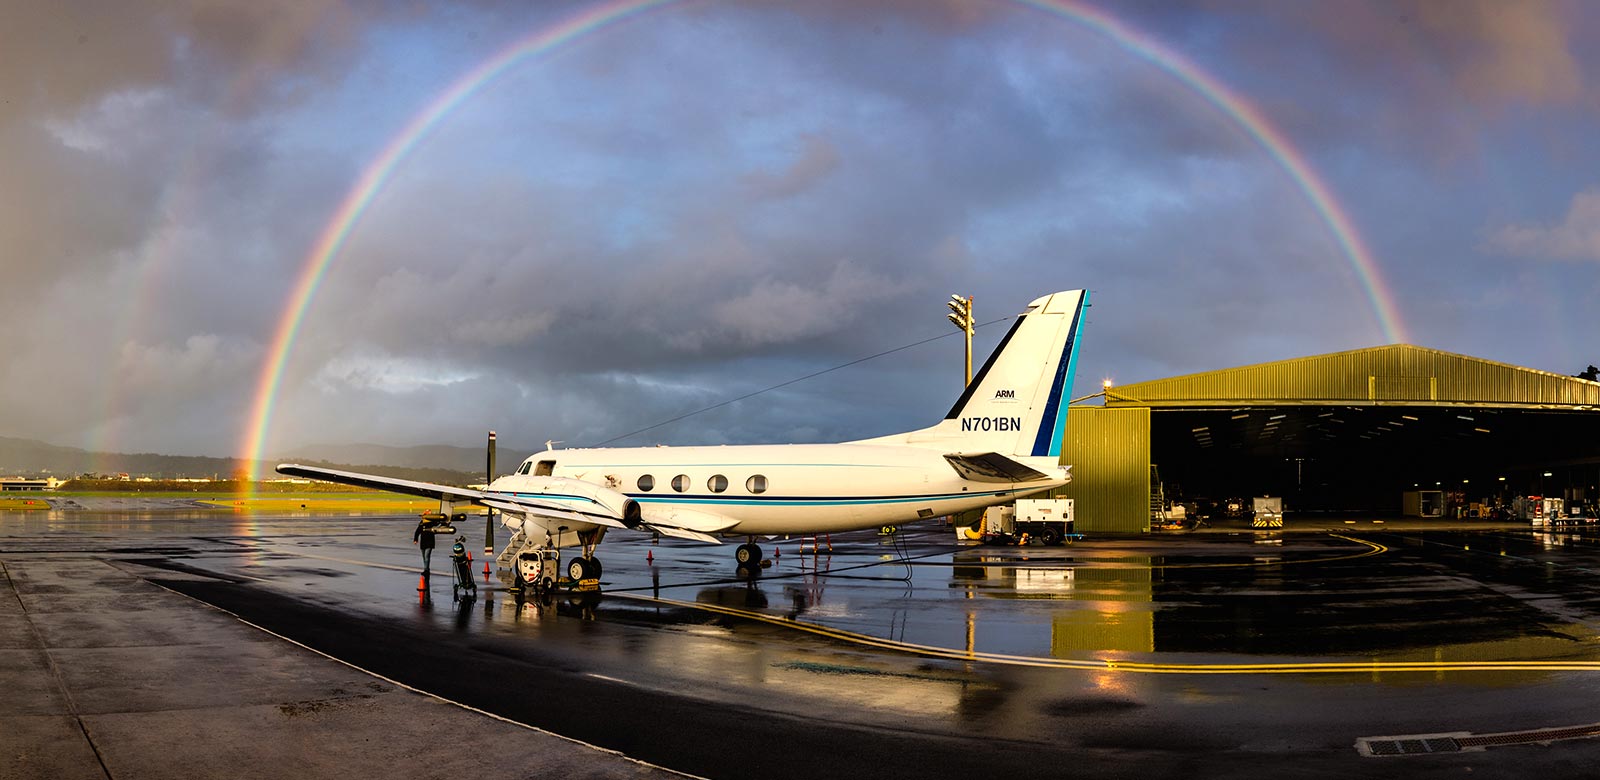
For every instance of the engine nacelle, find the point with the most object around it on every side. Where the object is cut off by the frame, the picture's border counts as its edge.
(597, 499)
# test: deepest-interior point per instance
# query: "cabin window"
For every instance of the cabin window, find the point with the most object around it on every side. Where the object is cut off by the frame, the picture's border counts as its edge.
(717, 483)
(545, 468)
(647, 483)
(756, 484)
(680, 483)
(527, 464)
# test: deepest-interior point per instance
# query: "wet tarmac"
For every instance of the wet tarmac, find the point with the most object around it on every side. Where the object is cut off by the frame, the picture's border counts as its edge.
(1358, 651)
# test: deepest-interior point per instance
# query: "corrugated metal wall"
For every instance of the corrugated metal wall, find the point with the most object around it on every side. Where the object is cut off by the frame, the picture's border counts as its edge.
(1398, 373)
(1109, 450)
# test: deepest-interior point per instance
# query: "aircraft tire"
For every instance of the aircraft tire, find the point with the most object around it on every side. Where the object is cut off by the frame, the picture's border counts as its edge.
(594, 568)
(578, 569)
(747, 555)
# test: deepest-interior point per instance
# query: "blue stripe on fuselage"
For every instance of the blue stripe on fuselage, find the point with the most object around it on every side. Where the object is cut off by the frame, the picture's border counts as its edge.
(819, 501)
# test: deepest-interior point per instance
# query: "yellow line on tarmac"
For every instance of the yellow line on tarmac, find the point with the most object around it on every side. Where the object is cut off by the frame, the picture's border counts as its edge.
(1375, 549)
(1102, 664)
(1141, 667)
(1116, 665)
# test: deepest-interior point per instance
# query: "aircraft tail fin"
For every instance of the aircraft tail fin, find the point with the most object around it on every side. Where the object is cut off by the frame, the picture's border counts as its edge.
(1017, 403)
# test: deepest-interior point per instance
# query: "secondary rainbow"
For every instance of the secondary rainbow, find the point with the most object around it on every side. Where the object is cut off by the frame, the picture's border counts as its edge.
(371, 181)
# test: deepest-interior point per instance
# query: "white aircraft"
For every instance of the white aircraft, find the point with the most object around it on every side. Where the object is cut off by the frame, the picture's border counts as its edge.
(1001, 440)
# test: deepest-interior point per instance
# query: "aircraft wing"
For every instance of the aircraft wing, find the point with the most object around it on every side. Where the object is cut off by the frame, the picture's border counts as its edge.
(376, 482)
(686, 523)
(679, 522)
(992, 467)
(682, 533)
(522, 505)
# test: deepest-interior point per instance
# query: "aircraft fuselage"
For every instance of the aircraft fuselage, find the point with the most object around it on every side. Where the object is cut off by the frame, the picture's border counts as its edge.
(780, 489)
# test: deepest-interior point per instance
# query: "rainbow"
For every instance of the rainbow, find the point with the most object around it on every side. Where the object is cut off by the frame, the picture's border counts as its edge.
(378, 172)
(355, 204)
(1269, 138)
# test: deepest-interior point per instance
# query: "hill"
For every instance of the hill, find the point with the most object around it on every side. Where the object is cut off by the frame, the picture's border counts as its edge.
(449, 465)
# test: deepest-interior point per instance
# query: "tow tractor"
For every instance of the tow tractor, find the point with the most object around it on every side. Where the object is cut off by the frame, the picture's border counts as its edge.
(538, 566)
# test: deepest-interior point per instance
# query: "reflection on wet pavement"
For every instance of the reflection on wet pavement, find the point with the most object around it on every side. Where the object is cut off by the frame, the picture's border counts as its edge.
(1239, 598)
(1219, 642)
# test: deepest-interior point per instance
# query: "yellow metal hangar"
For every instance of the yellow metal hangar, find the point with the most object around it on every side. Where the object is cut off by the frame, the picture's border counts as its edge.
(1344, 433)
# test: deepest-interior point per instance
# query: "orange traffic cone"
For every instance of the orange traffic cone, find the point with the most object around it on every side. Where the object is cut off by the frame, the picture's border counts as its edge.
(422, 582)
(649, 556)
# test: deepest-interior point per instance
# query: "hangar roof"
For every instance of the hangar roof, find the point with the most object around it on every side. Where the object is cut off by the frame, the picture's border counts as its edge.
(1393, 375)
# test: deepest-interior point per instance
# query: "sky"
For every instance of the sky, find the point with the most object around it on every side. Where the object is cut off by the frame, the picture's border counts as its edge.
(700, 199)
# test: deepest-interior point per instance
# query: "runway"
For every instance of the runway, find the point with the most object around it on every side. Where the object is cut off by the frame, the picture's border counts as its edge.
(912, 656)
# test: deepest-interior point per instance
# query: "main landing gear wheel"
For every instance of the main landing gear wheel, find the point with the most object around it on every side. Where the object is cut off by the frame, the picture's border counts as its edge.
(748, 555)
(580, 569)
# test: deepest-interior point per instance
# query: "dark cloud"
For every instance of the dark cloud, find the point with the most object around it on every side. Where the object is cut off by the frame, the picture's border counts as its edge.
(59, 58)
(1426, 77)
(715, 198)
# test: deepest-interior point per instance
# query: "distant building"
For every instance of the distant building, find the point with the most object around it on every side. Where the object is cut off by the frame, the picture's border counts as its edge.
(29, 483)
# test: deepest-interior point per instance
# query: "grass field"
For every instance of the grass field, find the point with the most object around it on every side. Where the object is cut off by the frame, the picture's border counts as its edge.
(9, 504)
(364, 502)
(324, 502)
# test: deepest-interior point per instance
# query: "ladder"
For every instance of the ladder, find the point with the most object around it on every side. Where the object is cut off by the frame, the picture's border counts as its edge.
(1158, 498)
(508, 556)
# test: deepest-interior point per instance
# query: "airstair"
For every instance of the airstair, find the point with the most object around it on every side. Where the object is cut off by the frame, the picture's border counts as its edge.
(1158, 498)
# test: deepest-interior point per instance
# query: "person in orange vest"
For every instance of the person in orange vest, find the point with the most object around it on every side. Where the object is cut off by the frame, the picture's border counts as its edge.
(423, 538)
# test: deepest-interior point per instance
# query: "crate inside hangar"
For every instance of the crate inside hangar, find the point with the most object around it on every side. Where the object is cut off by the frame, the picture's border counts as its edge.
(1347, 431)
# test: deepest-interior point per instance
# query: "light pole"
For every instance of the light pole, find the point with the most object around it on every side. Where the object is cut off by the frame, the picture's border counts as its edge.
(961, 316)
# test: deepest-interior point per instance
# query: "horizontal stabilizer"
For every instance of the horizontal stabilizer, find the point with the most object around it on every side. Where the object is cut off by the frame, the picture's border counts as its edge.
(992, 467)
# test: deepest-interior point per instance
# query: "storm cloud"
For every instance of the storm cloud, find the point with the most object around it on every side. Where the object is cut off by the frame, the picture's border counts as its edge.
(709, 199)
